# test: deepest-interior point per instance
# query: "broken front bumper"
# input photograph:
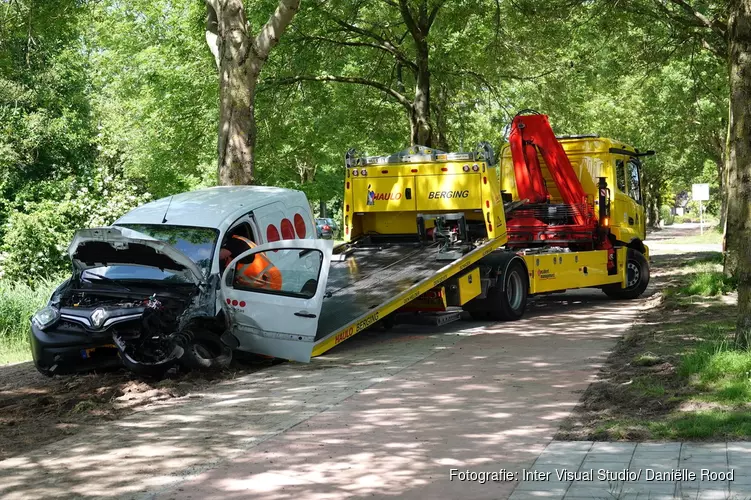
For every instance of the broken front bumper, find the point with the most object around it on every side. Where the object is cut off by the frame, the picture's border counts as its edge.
(59, 352)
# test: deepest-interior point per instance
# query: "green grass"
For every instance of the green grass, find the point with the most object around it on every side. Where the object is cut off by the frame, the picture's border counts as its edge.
(705, 424)
(706, 278)
(647, 359)
(679, 374)
(715, 258)
(647, 386)
(708, 284)
(715, 361)
(718, 370)
(18, 302)
(711, 235)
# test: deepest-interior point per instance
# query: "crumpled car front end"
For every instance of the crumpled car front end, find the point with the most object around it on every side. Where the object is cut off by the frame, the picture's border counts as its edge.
(61, 343)
(145, 319)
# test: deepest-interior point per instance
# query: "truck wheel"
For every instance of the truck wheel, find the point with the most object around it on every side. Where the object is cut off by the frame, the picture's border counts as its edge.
(637, 277)
(508, 298)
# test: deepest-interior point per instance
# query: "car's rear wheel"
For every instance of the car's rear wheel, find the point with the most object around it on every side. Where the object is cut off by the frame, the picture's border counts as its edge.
(507, 299)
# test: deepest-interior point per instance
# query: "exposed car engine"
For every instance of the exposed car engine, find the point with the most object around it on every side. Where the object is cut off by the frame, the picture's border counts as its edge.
(152, 333)
(134, 300)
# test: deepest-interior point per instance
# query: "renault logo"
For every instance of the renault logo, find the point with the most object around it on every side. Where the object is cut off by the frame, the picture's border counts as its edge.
(97, 317)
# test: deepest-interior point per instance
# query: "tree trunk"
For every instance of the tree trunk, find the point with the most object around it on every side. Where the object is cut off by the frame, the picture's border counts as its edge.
(652, 200)
(422, 131)
(739, 199)
(440, 139)
(239, 59)
(723, 190)
(723, 170)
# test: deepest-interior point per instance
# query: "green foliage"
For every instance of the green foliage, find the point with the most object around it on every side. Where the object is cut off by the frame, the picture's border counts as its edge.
(154, 92)
(682, 219)
(36, 239)
(127, 89)
(666, 216)
(18, 301)
(45, 112)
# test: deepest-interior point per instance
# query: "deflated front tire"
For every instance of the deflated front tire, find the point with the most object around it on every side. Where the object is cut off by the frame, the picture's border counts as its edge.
(205, 351)
(151, 367)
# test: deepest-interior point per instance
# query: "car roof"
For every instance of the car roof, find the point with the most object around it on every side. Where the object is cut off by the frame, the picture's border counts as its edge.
(208, 207)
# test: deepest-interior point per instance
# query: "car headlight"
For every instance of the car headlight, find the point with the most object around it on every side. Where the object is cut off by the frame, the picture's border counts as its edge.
(45, 317)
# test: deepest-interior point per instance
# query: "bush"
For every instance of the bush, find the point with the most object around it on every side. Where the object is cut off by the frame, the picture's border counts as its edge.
(34, 244)
(666, 215)
(18, 301)
(682, 219)
(36, 239)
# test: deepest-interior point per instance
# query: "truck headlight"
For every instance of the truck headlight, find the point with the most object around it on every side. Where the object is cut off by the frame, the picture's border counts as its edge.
(45, 317)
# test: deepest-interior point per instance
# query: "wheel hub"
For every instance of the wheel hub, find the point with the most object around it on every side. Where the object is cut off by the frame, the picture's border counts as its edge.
(633, 274)
(514, 290)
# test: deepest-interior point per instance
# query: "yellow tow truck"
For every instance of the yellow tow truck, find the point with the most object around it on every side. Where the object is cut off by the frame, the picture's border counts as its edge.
(430, 231)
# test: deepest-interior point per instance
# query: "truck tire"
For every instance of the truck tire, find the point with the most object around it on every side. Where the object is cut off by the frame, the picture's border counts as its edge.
(637, 277)
(205, 351)
(508, 298)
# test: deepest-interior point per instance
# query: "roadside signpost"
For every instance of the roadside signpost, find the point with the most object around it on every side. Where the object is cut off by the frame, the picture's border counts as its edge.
(700, 192)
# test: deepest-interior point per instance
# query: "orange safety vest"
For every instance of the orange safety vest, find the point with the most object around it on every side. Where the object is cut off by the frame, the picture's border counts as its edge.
(260, 272)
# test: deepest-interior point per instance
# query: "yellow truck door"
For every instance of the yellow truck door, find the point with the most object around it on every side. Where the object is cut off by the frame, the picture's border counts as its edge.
(633, 177)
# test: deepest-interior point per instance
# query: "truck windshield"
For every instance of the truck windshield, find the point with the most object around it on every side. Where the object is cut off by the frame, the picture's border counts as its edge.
(197, 243)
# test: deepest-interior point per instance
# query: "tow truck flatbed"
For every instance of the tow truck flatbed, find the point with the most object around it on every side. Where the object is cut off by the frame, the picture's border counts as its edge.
(369, 276)
(376, 280)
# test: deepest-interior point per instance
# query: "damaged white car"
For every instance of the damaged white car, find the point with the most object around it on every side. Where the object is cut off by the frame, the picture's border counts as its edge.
(147, 291)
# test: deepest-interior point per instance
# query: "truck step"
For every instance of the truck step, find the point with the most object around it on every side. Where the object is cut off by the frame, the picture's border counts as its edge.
(430, 319)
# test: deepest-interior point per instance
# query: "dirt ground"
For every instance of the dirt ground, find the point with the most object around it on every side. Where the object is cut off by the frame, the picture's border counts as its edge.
(36, 410)
(639, 384)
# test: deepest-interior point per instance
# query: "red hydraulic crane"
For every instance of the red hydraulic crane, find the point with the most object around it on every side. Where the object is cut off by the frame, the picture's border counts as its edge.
(537, 219)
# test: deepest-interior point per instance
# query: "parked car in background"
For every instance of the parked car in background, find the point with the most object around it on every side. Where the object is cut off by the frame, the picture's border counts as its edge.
(324, 229)
(334, 226)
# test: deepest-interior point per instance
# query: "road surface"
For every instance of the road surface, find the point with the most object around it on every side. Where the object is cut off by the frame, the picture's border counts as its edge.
(385, 414)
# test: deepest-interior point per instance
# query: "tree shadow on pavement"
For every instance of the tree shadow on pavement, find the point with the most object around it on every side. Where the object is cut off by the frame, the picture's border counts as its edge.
(386, 413)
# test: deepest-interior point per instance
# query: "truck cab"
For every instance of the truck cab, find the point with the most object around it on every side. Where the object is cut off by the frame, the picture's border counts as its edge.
(592, 158)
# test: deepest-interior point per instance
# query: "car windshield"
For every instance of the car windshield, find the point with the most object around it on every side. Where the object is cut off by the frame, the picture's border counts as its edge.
(197, 243)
